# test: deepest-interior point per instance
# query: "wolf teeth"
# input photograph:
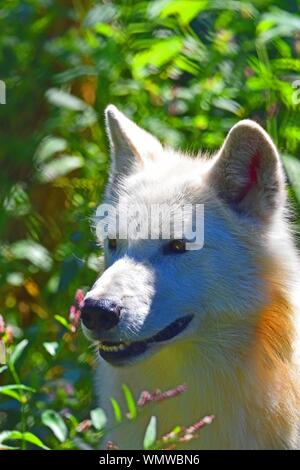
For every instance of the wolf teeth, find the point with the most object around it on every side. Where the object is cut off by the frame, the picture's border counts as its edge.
(105, 348)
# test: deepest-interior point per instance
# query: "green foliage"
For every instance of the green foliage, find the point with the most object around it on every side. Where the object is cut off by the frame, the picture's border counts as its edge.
(56, 423)
(186, 71)
(98, 418)
(150, 434)
(132, 409)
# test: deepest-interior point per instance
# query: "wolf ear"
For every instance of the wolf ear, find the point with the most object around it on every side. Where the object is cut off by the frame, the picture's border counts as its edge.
(247, 172)
(129, 143)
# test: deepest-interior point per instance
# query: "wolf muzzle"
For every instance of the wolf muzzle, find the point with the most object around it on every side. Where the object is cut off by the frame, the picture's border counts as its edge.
(100, 315)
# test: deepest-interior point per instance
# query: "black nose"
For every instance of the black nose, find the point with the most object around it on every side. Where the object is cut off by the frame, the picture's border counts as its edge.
(99, 315)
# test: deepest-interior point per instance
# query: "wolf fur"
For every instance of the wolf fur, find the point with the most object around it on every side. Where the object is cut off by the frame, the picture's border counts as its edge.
(239, 357)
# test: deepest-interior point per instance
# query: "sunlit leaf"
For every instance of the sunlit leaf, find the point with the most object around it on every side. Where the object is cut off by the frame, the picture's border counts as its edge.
(186, 10)
(150, 434)
(57, 425)
(51, 347)
(26, 436)
(5, 447)
(131, 405)
(15, 391)
(18, 350)
(49, 146)
(65, 100)
(17, 201)
(157, 55)
(100, 14)
(63, 321)
(32, 252)
(286, 64)
(85, 119)
(15, 279)
(292, 166)
(117, 410)
(2, 354)
(98, 418)
(3, 369)
(229, 105)
(59, 166)
(278, 23)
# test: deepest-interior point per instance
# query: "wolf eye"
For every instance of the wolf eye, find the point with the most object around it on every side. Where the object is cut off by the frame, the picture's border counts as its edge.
(176, 246)
(112, 244)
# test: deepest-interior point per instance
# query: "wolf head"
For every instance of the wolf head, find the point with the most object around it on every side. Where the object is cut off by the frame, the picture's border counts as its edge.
(155, 292)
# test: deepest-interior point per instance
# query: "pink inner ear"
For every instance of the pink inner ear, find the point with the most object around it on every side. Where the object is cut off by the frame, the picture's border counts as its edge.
(252, 176)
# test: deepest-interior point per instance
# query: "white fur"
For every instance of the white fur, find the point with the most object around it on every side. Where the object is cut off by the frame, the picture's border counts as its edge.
(223, 285)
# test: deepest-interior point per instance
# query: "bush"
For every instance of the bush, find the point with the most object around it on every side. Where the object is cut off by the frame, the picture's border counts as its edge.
(186, 71)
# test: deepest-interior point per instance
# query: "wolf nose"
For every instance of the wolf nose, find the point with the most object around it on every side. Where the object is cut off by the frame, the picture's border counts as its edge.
(99, 315)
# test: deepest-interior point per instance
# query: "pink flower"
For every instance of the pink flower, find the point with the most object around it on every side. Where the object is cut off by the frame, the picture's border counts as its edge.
(84, 425)
(248, 71)
(190, 432)
(9, 334)
(200, 424)
(79, 296)
(74, 317)
(2, 352)
(74, 312)
(2, 324)
(157, 395)
(111, 446)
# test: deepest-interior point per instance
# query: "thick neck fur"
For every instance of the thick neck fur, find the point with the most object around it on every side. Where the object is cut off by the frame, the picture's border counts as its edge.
(243, 371)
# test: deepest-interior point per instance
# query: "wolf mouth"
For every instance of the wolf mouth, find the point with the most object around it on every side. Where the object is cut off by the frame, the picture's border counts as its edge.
(118, 352)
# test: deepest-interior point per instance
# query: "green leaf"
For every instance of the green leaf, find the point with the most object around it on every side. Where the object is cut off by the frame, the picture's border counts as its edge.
(278, 23)
(63, 321)
(3, 369)
(63, 99)
(17, 352)
(117, 410)
(186, 10)
(5, 447)
(49, 146)
(12, 394)
(292, 166)
(33, 252)
(13, 391)
(2, 353)
(132, 409)
(98, 418)
(78, 71)
(17, 201)
(54, 421)
(18, 387)
(51, 348)
(71, 418)
(26, 436)
(100, 14)
(157, 55)
(150, 434)
(286, 64)
(15, 279)
(59, 166)
(229, 105)
(29, 437)
(85, 119)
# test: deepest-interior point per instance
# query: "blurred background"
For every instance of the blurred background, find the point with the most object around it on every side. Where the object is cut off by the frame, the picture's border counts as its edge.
(186, 71)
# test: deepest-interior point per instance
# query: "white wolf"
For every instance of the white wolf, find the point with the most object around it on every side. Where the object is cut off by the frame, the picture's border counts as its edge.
(222, 319)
